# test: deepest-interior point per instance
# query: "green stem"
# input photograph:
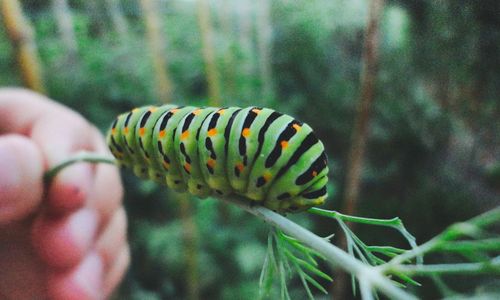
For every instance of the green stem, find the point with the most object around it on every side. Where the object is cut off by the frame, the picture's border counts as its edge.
(415, 252)
(365, 289)
(82, 156)
(492, 244)
(491, 267)
(333, 254)
(469, 228)
(394, 222)
(487, 218)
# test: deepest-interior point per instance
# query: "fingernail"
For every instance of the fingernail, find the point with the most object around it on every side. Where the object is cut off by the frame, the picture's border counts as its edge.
(89, 276)
(83, 227)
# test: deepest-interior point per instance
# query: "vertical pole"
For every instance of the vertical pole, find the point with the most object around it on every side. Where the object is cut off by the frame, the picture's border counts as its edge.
(156, 45)
(264, 35)
(361, 125)
(208, 51)
(22, 38)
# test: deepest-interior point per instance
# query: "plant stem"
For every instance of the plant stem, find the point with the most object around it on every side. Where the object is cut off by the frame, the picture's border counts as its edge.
(454, 231)
(370, 221)
(82, 156)
(365, 289)
(486, 218)
(371, 275)
(492, 244)
(395, 223)
(493, 267)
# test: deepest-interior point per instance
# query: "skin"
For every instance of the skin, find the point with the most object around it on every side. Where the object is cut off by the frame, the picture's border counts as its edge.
(67, 241)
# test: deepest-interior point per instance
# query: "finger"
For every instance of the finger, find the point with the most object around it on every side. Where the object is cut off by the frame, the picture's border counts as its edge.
(19, 264)
(21, 167)
(60, 138)
(113, 238)
(63, 241)
(20, 109)
(80, 283)
(59, 132)
(70, 189)
(107, 192)
(115, 274)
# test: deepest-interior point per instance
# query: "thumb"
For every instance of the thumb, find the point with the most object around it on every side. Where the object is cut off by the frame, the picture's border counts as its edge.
(21, 171)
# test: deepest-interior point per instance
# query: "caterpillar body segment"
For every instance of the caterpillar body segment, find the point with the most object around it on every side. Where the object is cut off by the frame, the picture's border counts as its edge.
(244, 146)
(213, 148)
(145, 136)
(186, 145)
(163, 141)
(258, 153)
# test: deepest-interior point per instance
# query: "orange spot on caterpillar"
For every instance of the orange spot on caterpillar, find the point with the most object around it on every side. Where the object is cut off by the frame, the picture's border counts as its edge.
(297, 127)
(113, 131)
(197, 111)
(184, 135)
(284, 144)
(153, 109)
(174, 110)
(162, 134)
(212, 132)
(314, 173)
(267, 176)
(240, 167)
(187, 167)
(256, 110)
(166, 165)
(211, 163)
(135, 110)
(125, 130)
(142, 130)
(221, 111)
(245, 132)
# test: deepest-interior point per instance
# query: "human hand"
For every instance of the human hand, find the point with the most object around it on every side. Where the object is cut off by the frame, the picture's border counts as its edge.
(67, 241)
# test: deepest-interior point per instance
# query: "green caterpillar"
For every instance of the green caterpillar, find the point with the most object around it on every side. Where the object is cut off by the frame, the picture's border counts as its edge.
(258, 153)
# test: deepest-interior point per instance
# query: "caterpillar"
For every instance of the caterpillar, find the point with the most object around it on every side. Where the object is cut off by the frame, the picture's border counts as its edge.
(263, 155)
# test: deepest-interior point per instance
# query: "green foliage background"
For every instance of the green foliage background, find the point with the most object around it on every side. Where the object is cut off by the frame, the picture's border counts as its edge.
(433, 150)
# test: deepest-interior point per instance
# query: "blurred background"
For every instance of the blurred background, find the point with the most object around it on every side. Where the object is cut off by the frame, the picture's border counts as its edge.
(404, 95)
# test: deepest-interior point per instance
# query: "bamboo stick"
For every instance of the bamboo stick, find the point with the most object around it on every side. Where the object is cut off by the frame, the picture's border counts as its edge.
(22, 38)
(156, 42)
(361, 125)
(208, 51)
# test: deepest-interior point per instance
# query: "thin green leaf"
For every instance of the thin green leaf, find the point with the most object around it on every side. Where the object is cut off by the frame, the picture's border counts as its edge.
(304, 283)
(306, 251)
(407, 279)
(315, 283)
(386, 250)
(312, 268)
(284, 288)
(301, 247)
(268, 269)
